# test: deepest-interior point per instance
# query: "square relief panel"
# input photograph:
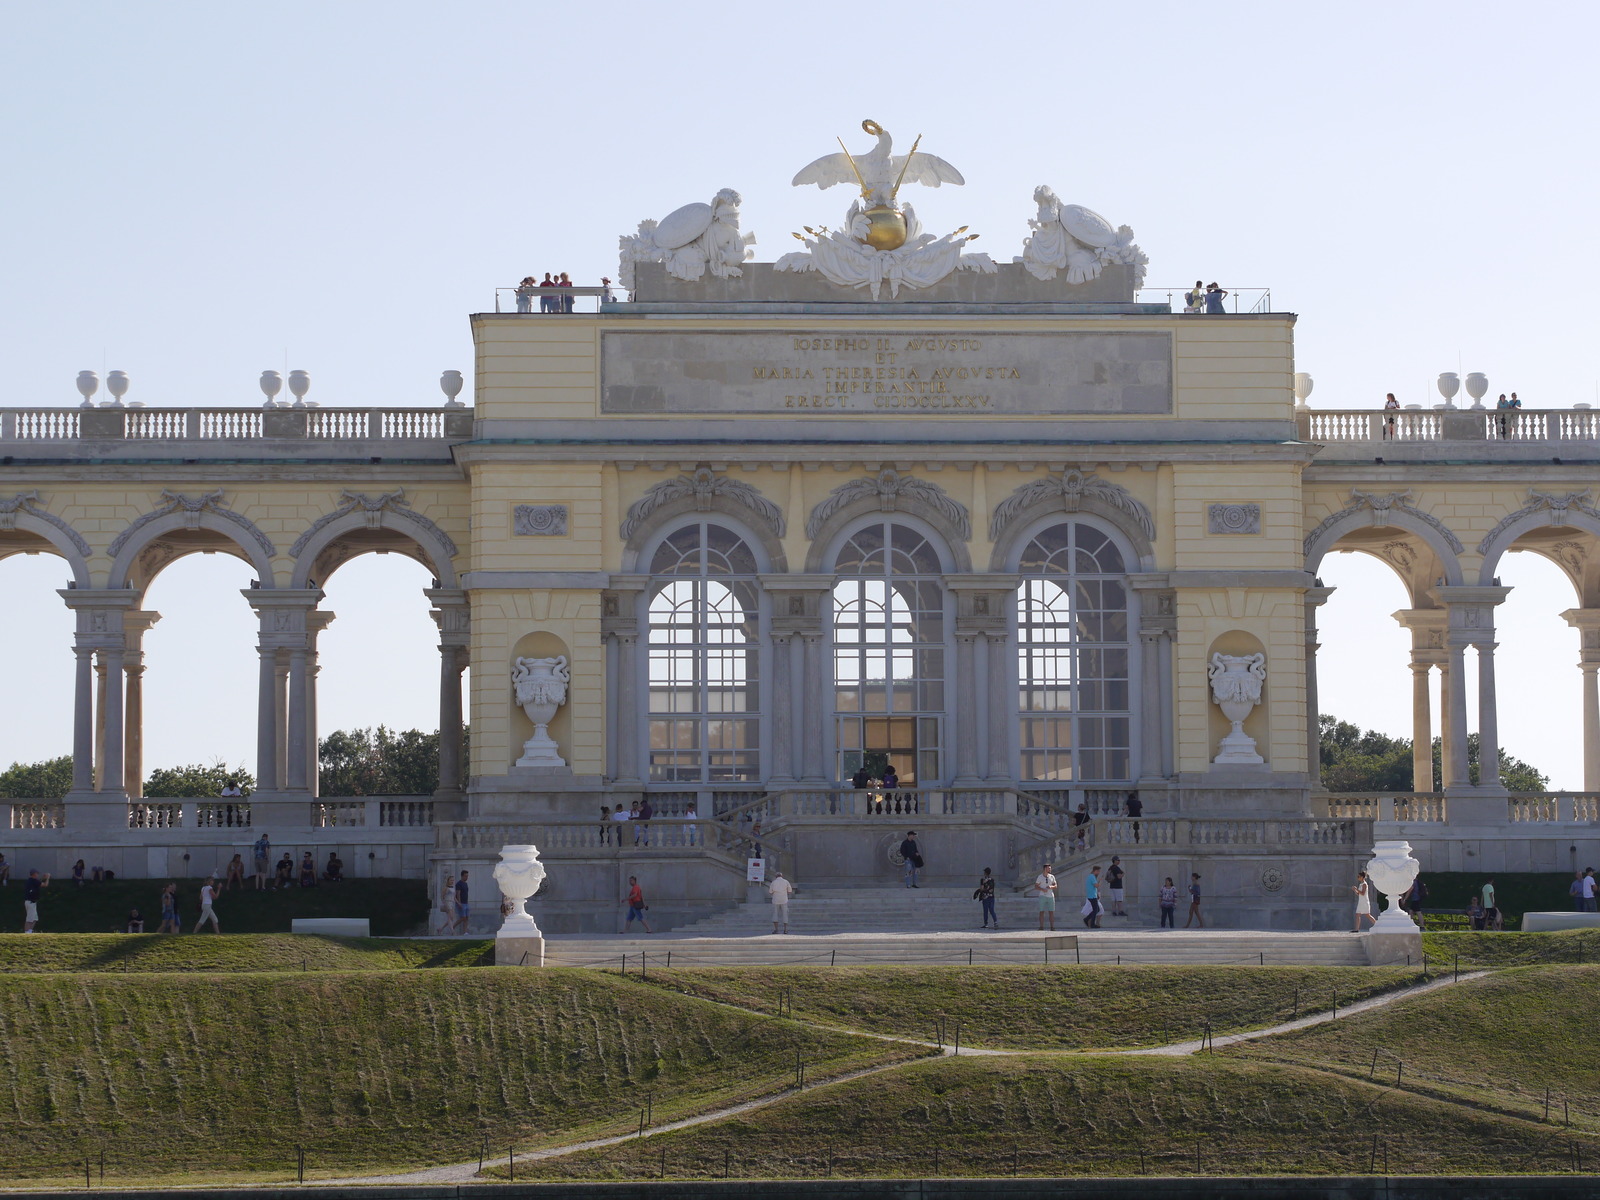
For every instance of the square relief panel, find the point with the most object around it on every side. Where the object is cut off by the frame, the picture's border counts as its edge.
(539, 520)
(1233, 518)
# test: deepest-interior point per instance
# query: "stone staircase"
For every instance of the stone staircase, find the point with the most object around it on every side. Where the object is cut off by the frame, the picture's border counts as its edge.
(883, 910)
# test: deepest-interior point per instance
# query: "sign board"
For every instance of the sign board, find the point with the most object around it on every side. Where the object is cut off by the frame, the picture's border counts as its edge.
(887, 373)
(755, 870)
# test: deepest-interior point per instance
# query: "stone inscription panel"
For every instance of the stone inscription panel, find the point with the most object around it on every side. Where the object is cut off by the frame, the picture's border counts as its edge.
(936, 373)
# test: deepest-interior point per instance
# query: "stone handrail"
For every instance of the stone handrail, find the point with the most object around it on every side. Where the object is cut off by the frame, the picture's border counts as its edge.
(1449, 425)
(589, 839)
(1429, 808)
(1103, 836)
(234, 424)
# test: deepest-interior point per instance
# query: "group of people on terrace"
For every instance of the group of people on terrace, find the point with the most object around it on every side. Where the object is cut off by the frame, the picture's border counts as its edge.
(1204, 298)
(1505, 410)
(554, 293)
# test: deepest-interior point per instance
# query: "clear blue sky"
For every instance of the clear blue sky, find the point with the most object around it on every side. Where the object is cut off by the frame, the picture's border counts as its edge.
(200, 191)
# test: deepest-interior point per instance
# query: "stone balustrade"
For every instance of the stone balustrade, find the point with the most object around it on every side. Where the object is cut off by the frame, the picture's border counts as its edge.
(156, 813)
(1326, 426)
(1522, 808)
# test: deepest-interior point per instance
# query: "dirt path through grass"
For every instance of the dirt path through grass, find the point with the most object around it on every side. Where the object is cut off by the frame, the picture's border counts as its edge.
(466, 1172)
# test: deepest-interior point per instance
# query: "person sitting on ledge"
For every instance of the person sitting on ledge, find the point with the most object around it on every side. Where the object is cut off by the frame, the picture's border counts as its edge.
(308, 871)
(334, 871)
(284, 876)
(135, 922)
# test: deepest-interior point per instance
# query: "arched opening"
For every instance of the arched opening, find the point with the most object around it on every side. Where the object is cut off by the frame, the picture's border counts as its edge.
(1075, 676)
(703, 655)
(889, 650)
(1539, 685)
(36, 710)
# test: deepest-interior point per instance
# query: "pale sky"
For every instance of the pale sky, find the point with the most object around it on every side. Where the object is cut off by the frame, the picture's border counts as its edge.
(197, 192)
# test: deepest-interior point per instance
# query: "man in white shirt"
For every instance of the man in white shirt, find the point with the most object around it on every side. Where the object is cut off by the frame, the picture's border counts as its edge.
(780, 889)
(1587, 894)
(1044, 886)
(691, 815)
(208, 893)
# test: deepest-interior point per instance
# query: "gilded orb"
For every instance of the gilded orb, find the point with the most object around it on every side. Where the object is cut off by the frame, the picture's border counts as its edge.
(886, 227)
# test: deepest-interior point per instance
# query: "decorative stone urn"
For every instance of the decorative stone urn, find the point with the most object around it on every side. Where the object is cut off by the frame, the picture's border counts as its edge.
(1393, 871)
(1477, 388)
(540, 685)
(1449, 385)
(519, 941)
(1236, 687)
(519, 874)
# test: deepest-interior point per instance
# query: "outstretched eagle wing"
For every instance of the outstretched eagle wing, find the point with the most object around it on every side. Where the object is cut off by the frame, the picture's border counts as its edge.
(927, 169)
(827, 171)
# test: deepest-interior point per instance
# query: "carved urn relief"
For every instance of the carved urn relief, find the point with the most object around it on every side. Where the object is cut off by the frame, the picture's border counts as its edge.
(540, 686)
(1393, 871)
(1236, 687)
(519, 874)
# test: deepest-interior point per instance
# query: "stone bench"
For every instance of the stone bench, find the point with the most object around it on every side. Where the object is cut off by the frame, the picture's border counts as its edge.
(332, 926)
(1546, 922)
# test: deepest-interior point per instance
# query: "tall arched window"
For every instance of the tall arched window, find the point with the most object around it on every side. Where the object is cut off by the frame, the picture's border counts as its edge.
(888, 653)
(705, 636)
(1073, 657)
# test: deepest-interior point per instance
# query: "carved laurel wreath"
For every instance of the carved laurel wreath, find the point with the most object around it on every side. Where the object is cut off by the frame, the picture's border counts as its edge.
(1069, 490)
(891, 489)
(1558, 505)
(706, 487)
(1381, 506)
(193, 506)
(391, 502)
(24, 502)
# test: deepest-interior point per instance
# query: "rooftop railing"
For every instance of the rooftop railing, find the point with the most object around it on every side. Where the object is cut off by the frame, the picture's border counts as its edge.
(554, 301)
(234, 424)
(1578, 424)
(1238, 300)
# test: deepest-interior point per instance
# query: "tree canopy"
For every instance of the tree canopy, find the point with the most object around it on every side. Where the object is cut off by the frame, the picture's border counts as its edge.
(382, 762)
(1363, 760)
(47, 780)
(196, 781)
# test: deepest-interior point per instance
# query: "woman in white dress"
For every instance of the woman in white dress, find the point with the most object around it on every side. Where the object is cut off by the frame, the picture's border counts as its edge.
(1363, 891)
(447, 907)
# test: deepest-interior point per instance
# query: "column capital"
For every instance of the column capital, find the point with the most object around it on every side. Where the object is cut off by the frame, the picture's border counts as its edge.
(1470, 612)
(1316, 597)
(799, 602)
(100, 614)
(285, 614)
(452, 613)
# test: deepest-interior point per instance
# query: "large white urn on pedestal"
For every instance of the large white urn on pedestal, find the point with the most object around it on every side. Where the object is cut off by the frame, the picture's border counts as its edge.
(540, 685)
(1393, 871)
(1477, 388)
(1236, 687)
(519, 941)
(1449, 385)
(1303, 384)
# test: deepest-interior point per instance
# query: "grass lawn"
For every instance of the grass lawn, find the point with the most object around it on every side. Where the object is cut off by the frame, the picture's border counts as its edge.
(1037, 1007)
(232, 952)
(1496, 1043)
(394, 906)
(1515, 892)
(1488, 949)
(1088, 1116)
(223, 1076)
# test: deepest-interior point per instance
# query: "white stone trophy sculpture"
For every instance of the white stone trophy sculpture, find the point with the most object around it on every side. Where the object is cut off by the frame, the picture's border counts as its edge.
(1077, 240)
(1236, 687)
(519, 874)
(540, 685)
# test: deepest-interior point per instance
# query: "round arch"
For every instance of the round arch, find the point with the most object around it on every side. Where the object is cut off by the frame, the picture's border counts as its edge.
(62, 538)
(1504, 539)
(942, 534)
(234, 540)
(1327, 537)
(1021, 532)
(437, 551)
(671, 517)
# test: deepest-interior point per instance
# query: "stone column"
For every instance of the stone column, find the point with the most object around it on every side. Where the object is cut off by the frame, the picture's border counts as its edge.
(285, 726)
(316, 622)
(1315, 598)
(1471, 623)
(964, 691)
(1447, 726)
(780, 767)
(134, 627)
(1428, 627)
(1154, 705)
(99, 720)
(817, 701)
(1421, 727)
(1001, 701)
(983, 605)
(453, 614)
(1587, 622)
(111, 768)
(267, 721)
(620, 606)
(294, 779)
(1488, 719)
(800, 606)
(97, 798)
(83, 722)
